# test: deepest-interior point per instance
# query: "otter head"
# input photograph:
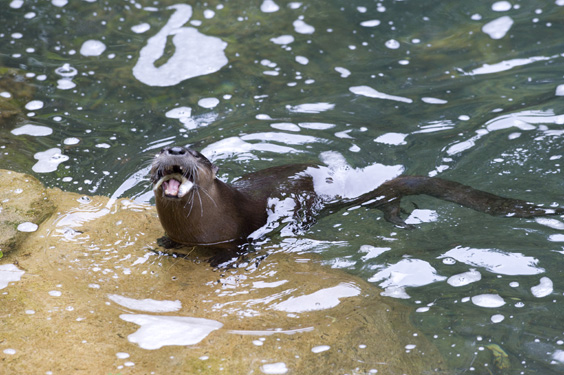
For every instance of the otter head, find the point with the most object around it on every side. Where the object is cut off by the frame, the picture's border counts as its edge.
(178, 170)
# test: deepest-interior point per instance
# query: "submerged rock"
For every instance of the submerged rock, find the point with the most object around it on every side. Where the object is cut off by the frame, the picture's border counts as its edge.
(96, 298)
(24, 204)
(15, 88)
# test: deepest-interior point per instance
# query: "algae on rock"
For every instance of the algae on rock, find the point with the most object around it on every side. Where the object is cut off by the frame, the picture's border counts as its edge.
(22, 199)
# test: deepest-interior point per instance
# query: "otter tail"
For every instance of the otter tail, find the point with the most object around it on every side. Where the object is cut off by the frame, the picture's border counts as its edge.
(387, 198)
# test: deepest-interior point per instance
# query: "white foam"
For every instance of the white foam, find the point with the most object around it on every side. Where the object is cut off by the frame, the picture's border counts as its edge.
(179, 112)
(28, 227)
(269, 332)
(262, 116)
(92, 48)
(265, 284)
(16, 4)
(287, 138)
(419, 216)
(559, 90)
(407, 272)
(372, 93)
(551, 223)
(497, 28)
(282, 40)
(195, 54)
(465, 278)
(302, 60)
(392, 44)
(159, 331)
(303, 28)
(488, 300)
(34, 130)
(497, 318)
(184, 115)
(556, 238)
(9, 273)
(71, 141)
(49, 160)
(320, 348)
(311, 107)
(59, 3)
(141, 28)
(430, 100)
(235, 146)
(316, 125)
(507, 65)
(392, 139)
(269, 6)
(558, 355)
(501, 6)
(495, 261)
(34, 105)
(268, 63)
(147, 304)
(372, 251)
(545, 288)
(370, 23)
(279, 211)
(274, 368)
(343, 71)
(208, 102)
(321, 300)
(286, 126)
(340, 180)
(66, 71)
(65, 84)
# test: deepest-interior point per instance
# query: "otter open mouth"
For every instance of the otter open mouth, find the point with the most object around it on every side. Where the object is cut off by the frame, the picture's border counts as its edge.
(174, 183)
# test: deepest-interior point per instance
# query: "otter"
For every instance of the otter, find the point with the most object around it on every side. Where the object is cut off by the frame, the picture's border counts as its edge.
(196, 208)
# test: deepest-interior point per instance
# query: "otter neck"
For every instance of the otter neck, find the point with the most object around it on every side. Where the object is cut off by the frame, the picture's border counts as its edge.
(209, 216)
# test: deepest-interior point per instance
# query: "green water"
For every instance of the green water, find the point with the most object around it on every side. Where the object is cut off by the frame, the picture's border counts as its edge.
(469, 104)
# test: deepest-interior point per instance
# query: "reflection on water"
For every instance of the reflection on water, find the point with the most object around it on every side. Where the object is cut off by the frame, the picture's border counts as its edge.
(470, 92)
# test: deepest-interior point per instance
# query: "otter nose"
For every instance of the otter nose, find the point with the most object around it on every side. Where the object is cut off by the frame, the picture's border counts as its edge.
(176, 150)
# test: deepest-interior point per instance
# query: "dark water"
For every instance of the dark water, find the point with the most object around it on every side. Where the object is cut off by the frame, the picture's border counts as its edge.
(468, 91)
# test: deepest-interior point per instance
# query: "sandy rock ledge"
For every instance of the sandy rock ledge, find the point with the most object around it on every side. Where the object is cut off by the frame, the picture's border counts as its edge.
(86, 293)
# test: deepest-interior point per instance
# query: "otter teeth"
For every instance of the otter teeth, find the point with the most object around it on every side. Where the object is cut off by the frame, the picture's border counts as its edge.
(183, 188)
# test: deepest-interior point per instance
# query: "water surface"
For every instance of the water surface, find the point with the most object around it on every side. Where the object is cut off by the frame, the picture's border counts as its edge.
(468, 91)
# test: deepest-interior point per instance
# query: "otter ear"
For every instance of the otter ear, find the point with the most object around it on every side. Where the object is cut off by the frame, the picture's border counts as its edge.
(214, 170)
